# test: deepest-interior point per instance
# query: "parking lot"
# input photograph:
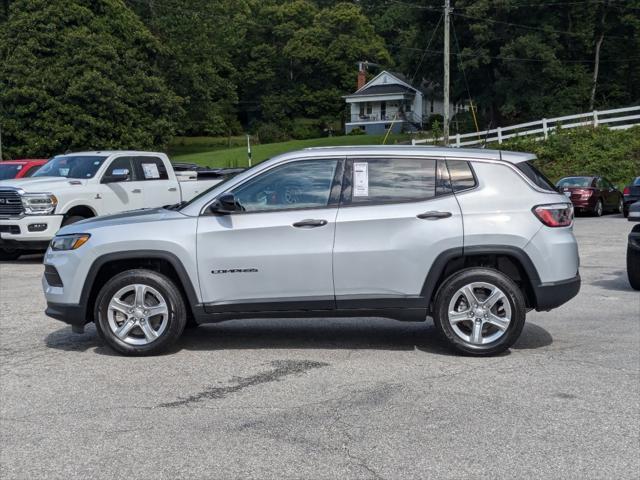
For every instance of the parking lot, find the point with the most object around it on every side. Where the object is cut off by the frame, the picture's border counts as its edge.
(330, 398)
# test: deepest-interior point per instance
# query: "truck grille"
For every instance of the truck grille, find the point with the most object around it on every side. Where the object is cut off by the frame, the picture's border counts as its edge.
(10, 203)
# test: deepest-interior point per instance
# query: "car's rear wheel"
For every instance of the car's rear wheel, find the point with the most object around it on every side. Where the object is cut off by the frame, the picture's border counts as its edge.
(621, 206)
(8, 254)
(140, 312)
(598, 209)
(479, 311)
(633, 264)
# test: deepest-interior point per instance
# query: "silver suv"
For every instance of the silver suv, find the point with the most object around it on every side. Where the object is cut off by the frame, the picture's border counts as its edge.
(472, 238)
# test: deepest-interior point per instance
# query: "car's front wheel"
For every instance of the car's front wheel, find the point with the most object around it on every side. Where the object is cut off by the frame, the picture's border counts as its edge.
(140, 312)
(479, 311)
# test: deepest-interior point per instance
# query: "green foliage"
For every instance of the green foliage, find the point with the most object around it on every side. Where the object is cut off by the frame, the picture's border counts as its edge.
(614, 154)
(271, 133)
(238, 156)
(79, 75)
(356, 131)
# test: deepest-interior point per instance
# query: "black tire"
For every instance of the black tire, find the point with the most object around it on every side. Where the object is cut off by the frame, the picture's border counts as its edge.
(71, 219)
(512, 293)
(633, 267)
(620, 208)
(598, 209)
(177, 317)
(8, 254)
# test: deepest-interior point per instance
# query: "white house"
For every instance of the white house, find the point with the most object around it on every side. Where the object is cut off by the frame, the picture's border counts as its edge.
(390, 101)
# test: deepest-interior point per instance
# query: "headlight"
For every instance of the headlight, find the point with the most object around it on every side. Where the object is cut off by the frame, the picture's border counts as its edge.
(69, 242)
(39, 203)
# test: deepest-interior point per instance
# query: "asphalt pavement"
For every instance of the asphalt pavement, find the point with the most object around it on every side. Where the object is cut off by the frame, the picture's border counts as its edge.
(329, 398)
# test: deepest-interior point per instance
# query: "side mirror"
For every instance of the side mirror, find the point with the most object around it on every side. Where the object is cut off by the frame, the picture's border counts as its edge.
(225, 204)
(117, 175)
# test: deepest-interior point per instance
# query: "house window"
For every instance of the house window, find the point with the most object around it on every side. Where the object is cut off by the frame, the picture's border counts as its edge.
(369, 109)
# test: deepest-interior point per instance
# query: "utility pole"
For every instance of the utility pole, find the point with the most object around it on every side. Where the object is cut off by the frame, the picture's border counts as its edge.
(447, 8)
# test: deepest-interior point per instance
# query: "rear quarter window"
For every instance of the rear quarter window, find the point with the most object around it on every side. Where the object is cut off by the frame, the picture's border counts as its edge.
(461, 174)
(536, 176)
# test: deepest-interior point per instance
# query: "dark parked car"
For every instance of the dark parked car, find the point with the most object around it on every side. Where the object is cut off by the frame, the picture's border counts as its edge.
(631, 195)
(593, 195)
(633, 248)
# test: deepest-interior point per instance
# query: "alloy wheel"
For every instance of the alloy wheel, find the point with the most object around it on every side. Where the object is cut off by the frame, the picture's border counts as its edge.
(138, 314)
(479, 313)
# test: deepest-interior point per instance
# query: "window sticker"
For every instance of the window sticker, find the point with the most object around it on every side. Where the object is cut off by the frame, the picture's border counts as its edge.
(150, 170)
(360, 179)
(63, 172)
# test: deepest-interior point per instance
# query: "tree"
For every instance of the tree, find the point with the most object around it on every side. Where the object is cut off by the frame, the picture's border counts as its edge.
(79, 74)
(200, 40)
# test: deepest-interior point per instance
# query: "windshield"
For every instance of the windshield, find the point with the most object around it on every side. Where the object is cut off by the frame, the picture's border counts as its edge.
(10, 170)
(575, 182)
(71, 166)
(636, 182)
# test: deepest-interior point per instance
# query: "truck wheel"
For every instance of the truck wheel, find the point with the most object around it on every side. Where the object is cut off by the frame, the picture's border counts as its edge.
(633, 267)
(479, 311)
(7, 254)
(71, 219)
(140, 312)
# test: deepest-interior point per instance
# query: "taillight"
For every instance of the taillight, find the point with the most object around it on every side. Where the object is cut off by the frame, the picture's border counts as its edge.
(626, 191)
(555, 215)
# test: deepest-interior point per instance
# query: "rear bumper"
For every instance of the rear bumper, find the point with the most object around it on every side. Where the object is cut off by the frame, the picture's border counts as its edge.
(553, 294)
(588, 204)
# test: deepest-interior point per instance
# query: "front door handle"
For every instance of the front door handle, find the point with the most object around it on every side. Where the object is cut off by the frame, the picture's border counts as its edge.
(136, 190)
(310, 223)
(434, 215)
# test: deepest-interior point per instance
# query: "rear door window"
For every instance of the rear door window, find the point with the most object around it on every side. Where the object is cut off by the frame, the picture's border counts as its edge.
(150, 168)
(536, 176)
(389, 180)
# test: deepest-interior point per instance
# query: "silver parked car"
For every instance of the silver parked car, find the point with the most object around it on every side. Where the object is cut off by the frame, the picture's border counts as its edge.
(472, 238)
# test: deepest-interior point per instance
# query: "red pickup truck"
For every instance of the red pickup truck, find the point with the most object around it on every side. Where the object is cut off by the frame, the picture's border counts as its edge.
(20, 168)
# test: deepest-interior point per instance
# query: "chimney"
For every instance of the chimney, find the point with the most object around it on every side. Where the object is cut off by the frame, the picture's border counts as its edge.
(362, 76)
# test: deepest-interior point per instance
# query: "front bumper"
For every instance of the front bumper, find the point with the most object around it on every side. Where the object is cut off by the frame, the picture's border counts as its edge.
(553, 294)
(16, 231)
(74, 315)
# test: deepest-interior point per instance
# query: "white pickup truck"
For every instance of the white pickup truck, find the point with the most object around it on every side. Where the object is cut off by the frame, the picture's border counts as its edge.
(72, 187)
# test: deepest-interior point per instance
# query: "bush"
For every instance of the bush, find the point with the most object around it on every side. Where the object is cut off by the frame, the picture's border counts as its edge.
(614, 154)
(356, 131)
(271, 133)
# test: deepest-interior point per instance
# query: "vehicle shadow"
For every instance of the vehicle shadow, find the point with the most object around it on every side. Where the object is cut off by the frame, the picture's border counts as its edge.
(619, 282)
(32, 259)
(323, 334)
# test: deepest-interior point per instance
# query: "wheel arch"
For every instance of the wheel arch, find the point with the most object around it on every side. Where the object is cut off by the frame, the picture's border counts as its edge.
(84, 211)
(512, 261)
(108, 265)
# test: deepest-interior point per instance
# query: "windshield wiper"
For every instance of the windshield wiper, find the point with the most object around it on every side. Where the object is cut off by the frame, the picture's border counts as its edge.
(175, 206)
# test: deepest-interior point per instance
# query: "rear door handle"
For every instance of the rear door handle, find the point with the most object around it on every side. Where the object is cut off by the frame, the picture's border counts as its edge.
(434, 215)
(310, 223)
(136, 190)
(172, 189)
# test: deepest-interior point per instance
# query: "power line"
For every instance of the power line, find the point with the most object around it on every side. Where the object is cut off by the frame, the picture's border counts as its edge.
(433, 34)
(479, 54)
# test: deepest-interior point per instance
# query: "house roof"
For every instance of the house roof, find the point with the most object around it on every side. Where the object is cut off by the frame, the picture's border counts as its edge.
(383, 89)
(400, 86)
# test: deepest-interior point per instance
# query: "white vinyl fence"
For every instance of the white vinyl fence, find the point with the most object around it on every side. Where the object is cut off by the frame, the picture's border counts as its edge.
(617, 119)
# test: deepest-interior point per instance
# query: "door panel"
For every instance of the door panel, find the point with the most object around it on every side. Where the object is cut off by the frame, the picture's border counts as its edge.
(262, 258)
(387, 251)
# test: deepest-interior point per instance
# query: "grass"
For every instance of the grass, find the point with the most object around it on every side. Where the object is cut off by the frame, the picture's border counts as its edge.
(210, 153)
